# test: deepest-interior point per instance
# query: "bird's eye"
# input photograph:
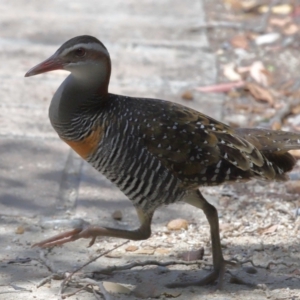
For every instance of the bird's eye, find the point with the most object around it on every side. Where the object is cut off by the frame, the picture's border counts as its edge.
(80, 52)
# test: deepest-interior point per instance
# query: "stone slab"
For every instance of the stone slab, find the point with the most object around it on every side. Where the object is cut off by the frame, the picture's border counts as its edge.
(31, 174)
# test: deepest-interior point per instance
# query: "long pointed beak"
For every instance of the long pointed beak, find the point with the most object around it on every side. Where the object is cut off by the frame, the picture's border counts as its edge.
(50, 64)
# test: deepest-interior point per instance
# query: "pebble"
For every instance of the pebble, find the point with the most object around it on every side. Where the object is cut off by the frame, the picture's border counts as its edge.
(145, 251)
(162, 251)
(131, 248)
(293, 187)
(20, 230)
(187, 95)
(178, 224)
(117, 215)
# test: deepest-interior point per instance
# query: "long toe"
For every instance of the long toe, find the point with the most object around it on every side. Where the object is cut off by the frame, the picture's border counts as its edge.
(60, 239)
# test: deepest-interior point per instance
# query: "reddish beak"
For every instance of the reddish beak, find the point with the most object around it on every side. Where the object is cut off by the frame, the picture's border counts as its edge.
(50, 64)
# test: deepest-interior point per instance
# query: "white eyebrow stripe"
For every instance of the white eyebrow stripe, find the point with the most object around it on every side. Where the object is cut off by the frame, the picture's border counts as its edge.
(91, 46)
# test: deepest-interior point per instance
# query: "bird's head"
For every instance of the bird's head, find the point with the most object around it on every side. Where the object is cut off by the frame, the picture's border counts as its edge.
(84, 56)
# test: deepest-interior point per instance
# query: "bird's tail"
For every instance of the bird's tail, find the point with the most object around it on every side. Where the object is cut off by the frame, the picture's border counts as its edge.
(274, 145)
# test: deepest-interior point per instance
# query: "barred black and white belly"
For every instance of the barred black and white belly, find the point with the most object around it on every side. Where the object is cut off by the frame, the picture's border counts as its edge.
(138, 174)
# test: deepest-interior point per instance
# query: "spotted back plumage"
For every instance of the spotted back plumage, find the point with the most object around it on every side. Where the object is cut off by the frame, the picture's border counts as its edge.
(155, 150)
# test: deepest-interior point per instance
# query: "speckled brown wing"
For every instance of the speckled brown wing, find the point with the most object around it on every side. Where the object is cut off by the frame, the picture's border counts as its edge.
(199, 149)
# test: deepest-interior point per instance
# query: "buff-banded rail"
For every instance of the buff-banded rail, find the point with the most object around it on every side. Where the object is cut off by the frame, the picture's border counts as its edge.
(156, 152)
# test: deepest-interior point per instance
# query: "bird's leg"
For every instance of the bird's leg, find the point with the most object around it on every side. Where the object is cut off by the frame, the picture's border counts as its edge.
(142, 233)
(196, 199)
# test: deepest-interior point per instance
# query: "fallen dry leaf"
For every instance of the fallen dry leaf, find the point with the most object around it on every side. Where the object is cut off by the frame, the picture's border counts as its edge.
(291, 29)
(220, 88)
(178, 224)
(115, 288)
(233, 4)
(280, 22)
(240, 41)
(259, 93)
(260, 74)
(230, 72)
(270, 229)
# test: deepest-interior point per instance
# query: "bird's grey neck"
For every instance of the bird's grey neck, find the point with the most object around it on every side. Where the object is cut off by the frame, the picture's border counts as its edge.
(71, 96)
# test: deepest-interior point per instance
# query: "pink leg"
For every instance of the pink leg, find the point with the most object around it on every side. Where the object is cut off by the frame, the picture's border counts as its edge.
(143, 232)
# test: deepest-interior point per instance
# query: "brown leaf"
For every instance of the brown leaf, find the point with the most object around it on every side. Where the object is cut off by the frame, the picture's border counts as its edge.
(220, 88)
(259, 93)
(291, 29)
(233, 4)
(260, 74)
(117, 288)
(240, 41)
(178, 224)
(280, 22)
(270, 229)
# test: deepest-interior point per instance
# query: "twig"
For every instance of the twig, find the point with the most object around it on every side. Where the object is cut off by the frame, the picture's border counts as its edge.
(103, 291)
(267, 266)
(149, 262)
(68, 278)
(44, 261)
(64, 296)
(88, 285)
(56, 276)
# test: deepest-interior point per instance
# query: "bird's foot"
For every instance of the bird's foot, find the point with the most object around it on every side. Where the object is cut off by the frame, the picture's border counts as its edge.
(215, 275)
(70, 236)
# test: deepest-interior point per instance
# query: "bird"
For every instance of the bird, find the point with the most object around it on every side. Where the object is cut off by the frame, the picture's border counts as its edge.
(156, 152)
